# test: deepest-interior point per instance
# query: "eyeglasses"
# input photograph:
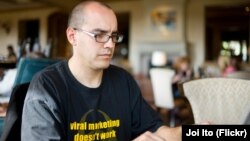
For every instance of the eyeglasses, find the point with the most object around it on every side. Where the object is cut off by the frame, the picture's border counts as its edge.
(103, 38)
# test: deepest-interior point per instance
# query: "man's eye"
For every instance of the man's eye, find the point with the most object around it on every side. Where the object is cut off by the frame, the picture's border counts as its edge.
(100, 35)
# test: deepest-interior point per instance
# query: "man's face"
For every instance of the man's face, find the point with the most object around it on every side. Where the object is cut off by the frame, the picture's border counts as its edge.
(91, 53)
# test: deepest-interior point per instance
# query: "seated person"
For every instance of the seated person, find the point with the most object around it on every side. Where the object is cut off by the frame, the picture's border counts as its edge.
(232, 66)
(7, 82)
(11, 54)
(183, 72)
(6, 85)
(87, 90)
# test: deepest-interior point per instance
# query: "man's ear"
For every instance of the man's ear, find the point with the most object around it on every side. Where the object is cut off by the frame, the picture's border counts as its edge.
(70, 32)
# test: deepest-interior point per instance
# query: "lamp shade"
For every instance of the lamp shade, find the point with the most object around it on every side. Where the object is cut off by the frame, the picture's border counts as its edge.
(159, 58)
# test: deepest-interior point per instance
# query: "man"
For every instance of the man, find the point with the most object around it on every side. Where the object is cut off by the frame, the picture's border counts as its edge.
(86, 98)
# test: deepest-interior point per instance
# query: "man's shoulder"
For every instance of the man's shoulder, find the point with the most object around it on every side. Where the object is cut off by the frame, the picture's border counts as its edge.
(119, 73)
(58, 66)
(117, 70)
(52, 70)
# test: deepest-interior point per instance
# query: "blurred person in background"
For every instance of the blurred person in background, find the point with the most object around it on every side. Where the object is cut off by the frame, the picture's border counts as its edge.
(232, 66)
(183, 73)
(11, 57)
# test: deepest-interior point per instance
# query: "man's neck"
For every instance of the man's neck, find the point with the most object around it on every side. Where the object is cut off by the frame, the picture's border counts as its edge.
(88, 77)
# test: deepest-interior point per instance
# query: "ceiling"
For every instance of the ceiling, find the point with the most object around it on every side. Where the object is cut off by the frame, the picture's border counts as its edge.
(7, 5)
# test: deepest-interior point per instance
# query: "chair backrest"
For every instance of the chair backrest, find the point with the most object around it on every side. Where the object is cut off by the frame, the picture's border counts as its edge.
(220, 100)
(161, 79)
(12, 121)
(27, 67)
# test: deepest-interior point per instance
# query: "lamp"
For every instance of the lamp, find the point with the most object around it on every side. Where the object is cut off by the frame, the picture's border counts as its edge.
(159, 59)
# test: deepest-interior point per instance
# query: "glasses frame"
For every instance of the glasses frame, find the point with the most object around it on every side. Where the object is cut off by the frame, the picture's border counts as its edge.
(119, 37)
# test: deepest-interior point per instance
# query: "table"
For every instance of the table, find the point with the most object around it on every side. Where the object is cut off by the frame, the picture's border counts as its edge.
(7, 65)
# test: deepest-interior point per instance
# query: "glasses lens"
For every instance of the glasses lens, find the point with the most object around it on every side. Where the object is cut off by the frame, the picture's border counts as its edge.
(102, 38)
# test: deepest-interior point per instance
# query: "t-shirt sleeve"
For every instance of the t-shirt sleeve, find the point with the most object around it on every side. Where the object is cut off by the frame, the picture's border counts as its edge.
(144, 117)
(41, 117)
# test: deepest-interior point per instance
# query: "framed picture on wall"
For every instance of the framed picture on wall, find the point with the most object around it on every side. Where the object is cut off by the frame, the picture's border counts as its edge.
(164, 22)
(163, 19)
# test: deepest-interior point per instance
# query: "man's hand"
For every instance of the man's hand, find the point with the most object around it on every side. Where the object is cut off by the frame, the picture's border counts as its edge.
(149, 136)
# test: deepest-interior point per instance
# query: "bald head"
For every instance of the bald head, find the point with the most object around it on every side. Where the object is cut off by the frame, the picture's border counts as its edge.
(77, 16)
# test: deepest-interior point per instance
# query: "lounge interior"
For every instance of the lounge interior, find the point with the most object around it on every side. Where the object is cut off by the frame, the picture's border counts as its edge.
(203, 30)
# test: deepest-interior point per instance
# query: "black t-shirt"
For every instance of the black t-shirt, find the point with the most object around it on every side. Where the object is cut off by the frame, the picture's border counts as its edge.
(58, 107)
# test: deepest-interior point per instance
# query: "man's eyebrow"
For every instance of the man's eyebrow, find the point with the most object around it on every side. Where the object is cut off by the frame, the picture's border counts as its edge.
(99, 30)
(103, 31)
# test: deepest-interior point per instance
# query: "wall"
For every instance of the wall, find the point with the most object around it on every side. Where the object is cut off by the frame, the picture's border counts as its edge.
(190, 34)
(13, 17)
(195, 27)
(191, 27)
(143, 38)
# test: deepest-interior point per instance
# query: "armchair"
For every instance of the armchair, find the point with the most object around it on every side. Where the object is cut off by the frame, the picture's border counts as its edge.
(161, 79)
(219, 100)
(27, 67)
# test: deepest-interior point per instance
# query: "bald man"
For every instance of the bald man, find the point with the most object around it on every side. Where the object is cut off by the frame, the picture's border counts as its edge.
(86, 98)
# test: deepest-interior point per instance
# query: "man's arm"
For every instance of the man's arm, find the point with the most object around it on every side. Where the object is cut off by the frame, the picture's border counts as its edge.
(39, 122)
(41, 117)
(164, 133)
(170, 134)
